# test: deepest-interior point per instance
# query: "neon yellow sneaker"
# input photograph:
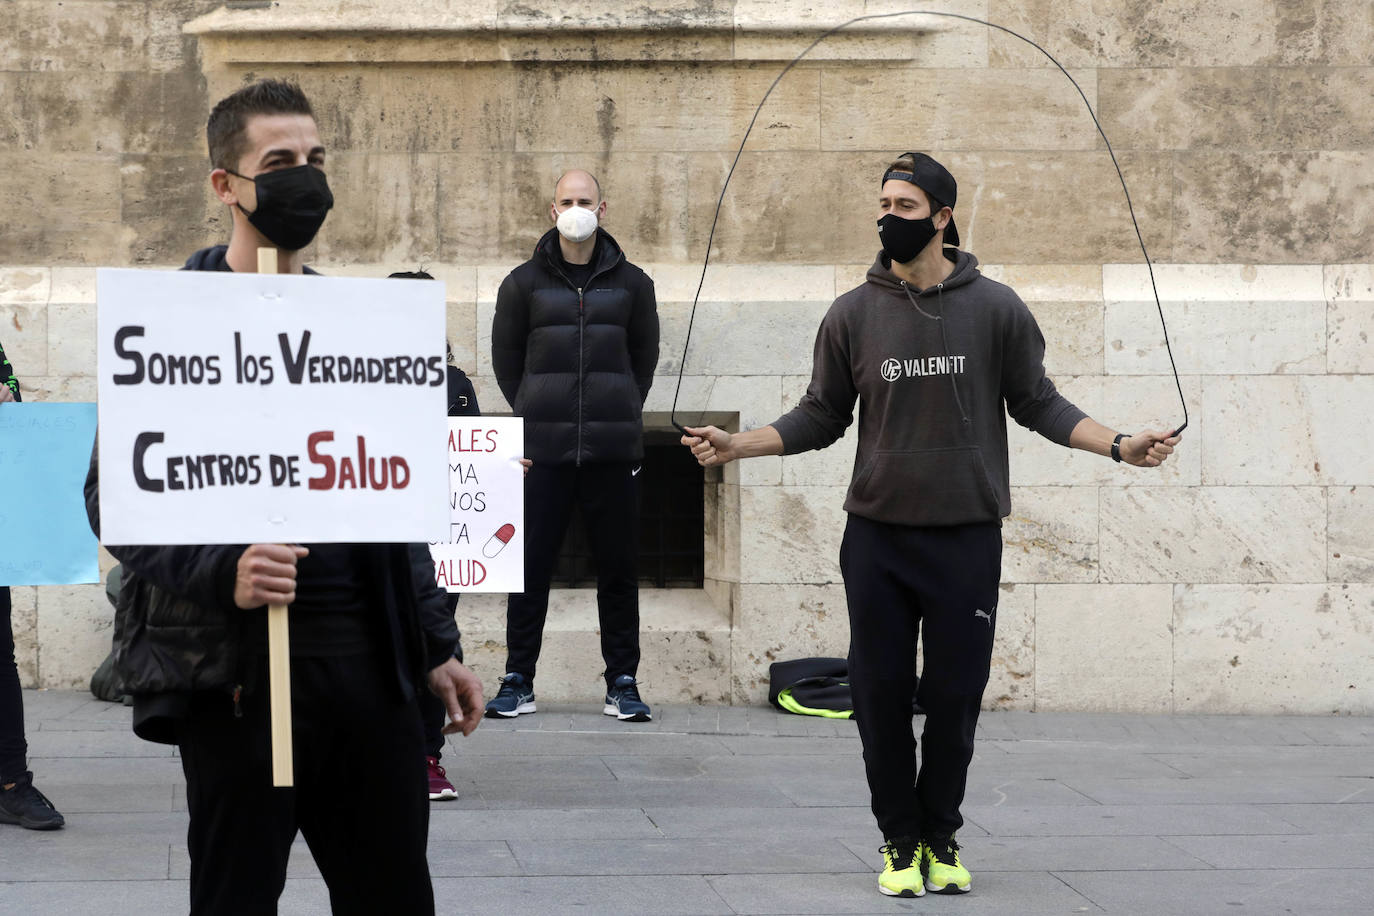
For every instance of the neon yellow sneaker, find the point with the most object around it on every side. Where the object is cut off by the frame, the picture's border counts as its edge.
(901, 875)
(945, 874)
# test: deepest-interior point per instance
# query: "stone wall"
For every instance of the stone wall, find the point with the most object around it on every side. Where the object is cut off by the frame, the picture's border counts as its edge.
(1238, 578)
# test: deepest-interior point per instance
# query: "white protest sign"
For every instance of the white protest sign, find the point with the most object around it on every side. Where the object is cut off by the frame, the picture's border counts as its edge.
(485, 547)
(257, 408)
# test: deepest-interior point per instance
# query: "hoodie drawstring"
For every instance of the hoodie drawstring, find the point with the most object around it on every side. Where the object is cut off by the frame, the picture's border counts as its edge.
(944, 341)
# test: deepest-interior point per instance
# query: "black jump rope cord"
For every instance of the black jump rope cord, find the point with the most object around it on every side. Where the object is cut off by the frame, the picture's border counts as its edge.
(682, 365)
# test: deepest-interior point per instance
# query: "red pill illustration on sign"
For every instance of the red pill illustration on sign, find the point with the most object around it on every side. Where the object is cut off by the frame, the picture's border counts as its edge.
(498, 541)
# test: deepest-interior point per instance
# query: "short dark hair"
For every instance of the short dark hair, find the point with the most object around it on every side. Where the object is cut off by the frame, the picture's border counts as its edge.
(224, 132)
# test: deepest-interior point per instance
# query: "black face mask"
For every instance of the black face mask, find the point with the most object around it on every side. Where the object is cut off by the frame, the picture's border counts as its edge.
(904, 239)
(292, 205)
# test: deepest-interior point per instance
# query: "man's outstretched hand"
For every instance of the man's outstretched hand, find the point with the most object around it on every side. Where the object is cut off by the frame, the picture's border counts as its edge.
(1149, 449)
(710, 446)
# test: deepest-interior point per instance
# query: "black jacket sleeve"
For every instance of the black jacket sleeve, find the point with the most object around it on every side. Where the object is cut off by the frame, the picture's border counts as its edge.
(509, 330)
(7, 376)
(642, 336)
(442, 639)
(202, 574)
(462, 397)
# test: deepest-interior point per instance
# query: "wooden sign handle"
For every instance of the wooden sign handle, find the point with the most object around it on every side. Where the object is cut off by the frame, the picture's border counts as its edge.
(278, 646)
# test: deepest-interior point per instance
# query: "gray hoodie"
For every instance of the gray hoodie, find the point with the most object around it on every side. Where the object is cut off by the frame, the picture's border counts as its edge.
(931, 369)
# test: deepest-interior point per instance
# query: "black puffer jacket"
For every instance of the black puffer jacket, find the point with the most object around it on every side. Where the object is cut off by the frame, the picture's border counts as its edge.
(177, 629)
(577, 364)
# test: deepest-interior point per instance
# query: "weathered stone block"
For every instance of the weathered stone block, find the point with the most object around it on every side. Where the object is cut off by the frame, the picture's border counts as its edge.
(1128, 404)
(1217, 338)
(679, 108)
(75, 624)
(25, 285)
(88, 36)
(763, 338)
(387, 210)
(1314, 430)
(462, 335)
(1213, 282)
(961, 109)
(58, 387)
(1350, 319)
(1350, 534)
(1011, 678)
(169, 207)
(25, 330)
(1176, 108)
(1051, 535)
(1213, 534)
(782, 622)
(1186, 33)
(1288, 649)
(742, 282)
(762, 33)
(1011, 205)
(1335, 32)
(791, 534)
(1103, 647)
(70, 284)
(1251, 207)
(78, 196)
(71, 340)
(467, 109)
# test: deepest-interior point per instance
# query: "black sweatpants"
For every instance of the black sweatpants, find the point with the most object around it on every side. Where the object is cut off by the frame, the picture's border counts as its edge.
(359, 796)
(609, 499)
(13, 748)
(943, 583)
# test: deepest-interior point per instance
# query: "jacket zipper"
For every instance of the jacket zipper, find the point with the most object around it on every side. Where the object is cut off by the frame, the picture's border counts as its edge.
(581, 350)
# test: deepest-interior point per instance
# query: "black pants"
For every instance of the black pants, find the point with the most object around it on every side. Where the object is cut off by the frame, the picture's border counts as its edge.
(13, 748)
(432, 712)
(609, 499)
(941, 582)
(359, 796)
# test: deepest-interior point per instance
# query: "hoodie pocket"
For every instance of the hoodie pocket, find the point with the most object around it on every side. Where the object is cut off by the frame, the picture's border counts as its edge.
(937, 486)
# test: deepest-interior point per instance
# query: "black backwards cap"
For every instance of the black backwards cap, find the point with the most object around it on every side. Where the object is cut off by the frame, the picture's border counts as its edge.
(933, 178)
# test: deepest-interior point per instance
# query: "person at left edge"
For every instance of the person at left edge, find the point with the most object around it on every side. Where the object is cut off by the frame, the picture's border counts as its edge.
(369, 627)
(20, 802)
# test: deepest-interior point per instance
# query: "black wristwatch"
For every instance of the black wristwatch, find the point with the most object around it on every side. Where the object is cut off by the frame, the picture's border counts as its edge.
(1116, 447)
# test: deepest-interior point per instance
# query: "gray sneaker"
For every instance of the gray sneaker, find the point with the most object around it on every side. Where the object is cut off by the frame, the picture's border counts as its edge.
(515, 697)
(623, 702)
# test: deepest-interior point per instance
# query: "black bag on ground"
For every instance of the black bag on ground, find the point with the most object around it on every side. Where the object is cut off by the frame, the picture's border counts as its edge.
(815, 687)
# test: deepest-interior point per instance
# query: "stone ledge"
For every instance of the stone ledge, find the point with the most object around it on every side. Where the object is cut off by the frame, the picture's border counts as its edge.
(320, 31)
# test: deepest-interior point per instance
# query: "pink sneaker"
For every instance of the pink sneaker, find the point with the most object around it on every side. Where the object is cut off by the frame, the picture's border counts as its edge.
(440, 789)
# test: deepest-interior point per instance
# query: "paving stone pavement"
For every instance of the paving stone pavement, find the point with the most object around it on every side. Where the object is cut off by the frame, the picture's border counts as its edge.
(730, 810)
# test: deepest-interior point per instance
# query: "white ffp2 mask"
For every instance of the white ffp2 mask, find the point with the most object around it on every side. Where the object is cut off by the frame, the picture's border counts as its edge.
(576, 224)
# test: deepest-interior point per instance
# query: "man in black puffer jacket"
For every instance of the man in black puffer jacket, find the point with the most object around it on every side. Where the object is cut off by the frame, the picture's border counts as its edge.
(369, 627)
(573, 345)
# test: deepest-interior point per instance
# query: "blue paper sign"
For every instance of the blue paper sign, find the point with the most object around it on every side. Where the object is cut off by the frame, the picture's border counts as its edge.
(45, 537)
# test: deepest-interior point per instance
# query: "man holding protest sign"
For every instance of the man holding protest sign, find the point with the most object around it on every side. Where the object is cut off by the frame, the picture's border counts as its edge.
(20, 802)
(369, 628)
(574, 343)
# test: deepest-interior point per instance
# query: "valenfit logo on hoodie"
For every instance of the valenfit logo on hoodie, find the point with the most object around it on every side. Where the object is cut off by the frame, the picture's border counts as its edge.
(921, 367)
